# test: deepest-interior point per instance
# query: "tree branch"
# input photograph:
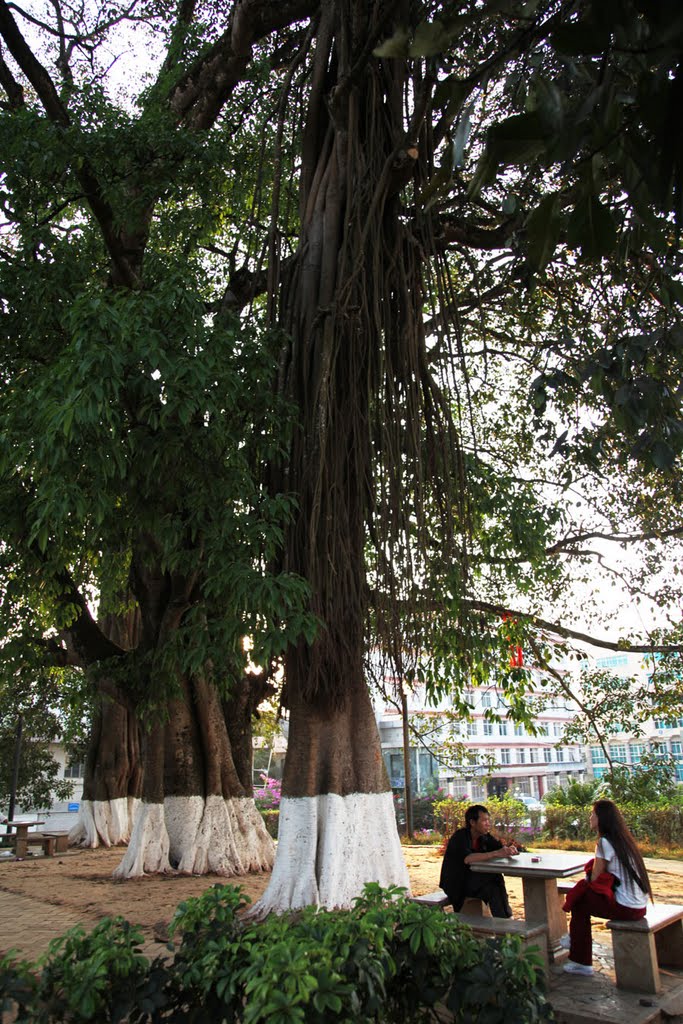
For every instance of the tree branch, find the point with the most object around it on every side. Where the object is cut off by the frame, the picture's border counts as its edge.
(197, 99)
(573, 634)
(57, 112)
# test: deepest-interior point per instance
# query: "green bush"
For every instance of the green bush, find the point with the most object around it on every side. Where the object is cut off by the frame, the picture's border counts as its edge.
(659, 826)
(387, 961)
(101, 976)
(271, 819)
(511, 821)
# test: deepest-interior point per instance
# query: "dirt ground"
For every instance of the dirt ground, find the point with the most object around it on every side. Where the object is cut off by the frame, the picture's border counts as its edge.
(41, 897)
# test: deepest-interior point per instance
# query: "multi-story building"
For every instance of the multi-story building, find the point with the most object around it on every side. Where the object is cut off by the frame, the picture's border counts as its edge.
(490, 757)
(627, 745)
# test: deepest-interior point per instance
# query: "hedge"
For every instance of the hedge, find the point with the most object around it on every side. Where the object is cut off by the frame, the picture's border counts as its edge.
(386, 960)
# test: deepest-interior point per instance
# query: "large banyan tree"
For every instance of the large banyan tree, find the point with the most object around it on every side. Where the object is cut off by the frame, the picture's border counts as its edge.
(239, 307)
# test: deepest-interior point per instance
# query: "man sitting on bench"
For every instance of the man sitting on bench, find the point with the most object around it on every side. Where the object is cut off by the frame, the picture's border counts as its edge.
(471, 845)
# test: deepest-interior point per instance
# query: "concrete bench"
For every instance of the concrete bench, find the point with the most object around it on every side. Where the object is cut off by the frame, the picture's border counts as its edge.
(641, 947)
(477, 915)
(439, 899)
(50, 842)
(55, 842)
(532, 934)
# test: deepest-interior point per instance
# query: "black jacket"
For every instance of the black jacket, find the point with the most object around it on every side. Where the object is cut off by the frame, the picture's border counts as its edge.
(454, 871)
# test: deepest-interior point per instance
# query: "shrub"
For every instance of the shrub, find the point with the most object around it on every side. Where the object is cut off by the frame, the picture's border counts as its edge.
(423, 809)
(272, 821)
(101, 976)
(511, 821)
(268, 797)
(388, 960)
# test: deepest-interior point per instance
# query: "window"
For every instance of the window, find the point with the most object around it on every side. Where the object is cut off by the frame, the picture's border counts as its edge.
(560, 754)
(471, 728)
(486, 700)
(547, 755)
(676, 748)
(533, 756)
(488, 728)
(502, 728)
(519, 730)
(617, 752)
(613, 661)
(505, 755)
(543, 730)
(521, 756)
(74, 770)
(636, 751)
(557, 728)
(598, 755)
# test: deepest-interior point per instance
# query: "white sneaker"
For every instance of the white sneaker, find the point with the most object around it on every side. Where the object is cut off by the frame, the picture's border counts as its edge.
(572, 968)
(565, 942)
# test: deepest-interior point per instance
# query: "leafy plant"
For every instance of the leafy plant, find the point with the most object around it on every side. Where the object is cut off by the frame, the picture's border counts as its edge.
(386, 961)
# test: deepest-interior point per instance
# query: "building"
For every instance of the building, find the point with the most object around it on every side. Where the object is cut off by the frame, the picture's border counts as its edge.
(628, 744)
(494, 756)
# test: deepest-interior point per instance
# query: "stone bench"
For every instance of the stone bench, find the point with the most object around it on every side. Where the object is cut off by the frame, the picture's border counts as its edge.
(477, 915)
(55, 842)
(50, 842)
(641, 947)
(531, 933)
(439, 899)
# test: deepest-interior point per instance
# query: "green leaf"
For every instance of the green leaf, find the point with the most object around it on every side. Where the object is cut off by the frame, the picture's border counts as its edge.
(663, 457)
(592, 229)
(543, 228)
(582, 38)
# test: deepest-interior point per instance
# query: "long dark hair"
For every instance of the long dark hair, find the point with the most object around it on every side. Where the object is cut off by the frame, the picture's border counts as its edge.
(612, 826)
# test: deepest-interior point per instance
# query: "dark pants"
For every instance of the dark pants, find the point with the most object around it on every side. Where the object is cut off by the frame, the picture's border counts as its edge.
(596, 904)
(491, 889)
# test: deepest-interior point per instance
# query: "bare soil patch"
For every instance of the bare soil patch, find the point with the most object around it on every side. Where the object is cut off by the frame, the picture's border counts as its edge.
(79, 884)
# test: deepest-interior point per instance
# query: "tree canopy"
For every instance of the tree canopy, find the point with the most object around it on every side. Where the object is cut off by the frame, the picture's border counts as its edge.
(335, 325)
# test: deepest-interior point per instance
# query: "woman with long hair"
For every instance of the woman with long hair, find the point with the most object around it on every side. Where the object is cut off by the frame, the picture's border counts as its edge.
(618, 887)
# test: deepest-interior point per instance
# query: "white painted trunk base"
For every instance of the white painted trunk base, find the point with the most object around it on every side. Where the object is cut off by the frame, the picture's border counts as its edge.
(194, 835)
(329, 846)
(104, 822)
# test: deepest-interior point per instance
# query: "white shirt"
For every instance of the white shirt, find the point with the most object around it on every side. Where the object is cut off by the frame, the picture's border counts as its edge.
(629, 893)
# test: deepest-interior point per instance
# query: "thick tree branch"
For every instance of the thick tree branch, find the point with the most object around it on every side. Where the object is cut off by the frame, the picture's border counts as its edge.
(58, 114)
(573, 634)
(197, 99)
(567, 543)
(15, 92)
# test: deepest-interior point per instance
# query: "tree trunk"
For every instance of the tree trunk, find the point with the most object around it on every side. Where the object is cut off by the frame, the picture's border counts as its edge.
(113, 770)
(194, 816)
(112, 783)
(348, 304)
(337, 826)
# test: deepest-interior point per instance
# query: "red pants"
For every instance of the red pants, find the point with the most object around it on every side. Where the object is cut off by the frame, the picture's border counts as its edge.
(597, 905)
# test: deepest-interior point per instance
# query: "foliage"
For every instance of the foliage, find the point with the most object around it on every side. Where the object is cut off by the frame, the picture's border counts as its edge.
(387, 960)
(49, 703)
(272, 822)
(574, 794)
(652, 781)
(267, 797)
(511, 821)
(660, 826)
(99, 976)
(423, 806)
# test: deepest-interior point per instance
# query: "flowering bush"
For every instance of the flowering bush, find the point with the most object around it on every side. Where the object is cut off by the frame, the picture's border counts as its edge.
(423, 809)
(268, 797)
